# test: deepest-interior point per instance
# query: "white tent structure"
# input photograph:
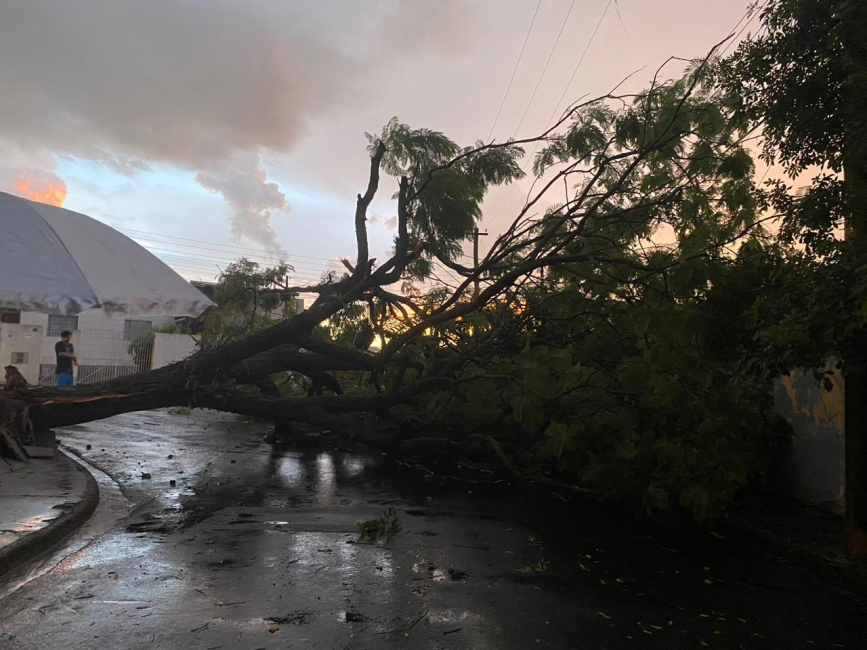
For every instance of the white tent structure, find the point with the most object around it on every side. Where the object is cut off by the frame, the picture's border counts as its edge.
(57, 261)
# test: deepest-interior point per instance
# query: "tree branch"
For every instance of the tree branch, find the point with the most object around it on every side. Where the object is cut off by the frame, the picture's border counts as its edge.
(361, 210)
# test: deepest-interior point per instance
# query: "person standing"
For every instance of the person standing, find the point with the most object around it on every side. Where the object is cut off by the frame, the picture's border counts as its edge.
(66, 360)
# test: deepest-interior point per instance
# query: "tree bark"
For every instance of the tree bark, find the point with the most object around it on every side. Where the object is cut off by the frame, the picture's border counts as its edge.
(855, 371)
(855, 179)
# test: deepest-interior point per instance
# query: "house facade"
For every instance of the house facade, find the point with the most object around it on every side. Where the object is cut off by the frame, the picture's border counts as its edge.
(107, 346)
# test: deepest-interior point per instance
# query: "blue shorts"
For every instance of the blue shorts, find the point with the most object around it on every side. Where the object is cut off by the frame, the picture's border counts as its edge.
(65, 380)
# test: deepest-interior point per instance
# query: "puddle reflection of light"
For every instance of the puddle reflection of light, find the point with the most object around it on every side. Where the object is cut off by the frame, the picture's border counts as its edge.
(383, 563)
(326, 485)
(291, 471)
(31, 524)
(352, 465)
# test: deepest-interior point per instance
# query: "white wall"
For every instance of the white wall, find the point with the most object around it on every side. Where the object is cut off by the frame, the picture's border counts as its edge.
(169, 348)
(100, 341)
(27, 339)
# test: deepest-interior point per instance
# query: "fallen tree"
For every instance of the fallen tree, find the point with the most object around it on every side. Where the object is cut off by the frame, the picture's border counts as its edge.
(610, 173)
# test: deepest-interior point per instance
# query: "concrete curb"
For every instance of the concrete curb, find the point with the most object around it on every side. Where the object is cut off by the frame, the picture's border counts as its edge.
(40, 541)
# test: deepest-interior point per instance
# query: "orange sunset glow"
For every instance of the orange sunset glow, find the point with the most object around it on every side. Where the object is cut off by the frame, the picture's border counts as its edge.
(52, 192)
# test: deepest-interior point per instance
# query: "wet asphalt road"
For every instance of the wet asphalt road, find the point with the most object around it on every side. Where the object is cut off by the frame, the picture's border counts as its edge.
(256, 547)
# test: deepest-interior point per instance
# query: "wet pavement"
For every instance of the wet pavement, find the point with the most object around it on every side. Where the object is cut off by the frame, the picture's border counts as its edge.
(35, 494)
(208, 538)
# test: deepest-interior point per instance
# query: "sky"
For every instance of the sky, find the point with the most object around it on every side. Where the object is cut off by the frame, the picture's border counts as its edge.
(211, 129)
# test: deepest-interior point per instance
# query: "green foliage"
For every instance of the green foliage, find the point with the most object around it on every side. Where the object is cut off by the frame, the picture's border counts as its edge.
(638, 370)
(645, 402)
(181, 410)
(141, 349)
(803, 79)
(173, 328)
(242, 306)
(446, 194)
(625, 370)
(387, 525)
(539, 567)
(793, 79)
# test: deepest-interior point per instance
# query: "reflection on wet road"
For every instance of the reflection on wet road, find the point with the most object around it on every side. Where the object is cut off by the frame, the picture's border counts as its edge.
(232, 543)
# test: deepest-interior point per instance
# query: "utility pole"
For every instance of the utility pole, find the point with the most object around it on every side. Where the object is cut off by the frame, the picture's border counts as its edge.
(476, 235)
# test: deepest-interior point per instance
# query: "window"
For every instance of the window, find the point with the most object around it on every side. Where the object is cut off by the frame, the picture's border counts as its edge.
(133, 329)
(20, 358)
(10, 316)
(58, 324)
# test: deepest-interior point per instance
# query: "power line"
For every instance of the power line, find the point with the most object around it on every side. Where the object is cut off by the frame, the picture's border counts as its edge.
(577, 65)
(622, 24)
(190, 260)
(229, 259)
(235, 254)
(746, 15)
(756, 13)
(542, 76)
(517, 63)
(557, 106)
(199, 265)
(269, 254)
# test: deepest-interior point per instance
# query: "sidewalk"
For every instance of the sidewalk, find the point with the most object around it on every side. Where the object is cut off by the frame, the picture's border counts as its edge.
(41, 502)
(805, 534)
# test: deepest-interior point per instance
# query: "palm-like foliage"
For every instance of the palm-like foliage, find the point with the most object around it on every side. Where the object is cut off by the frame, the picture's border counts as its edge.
(447, 183)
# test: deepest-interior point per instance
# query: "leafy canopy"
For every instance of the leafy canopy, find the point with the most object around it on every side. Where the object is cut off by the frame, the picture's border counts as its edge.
(445, 193)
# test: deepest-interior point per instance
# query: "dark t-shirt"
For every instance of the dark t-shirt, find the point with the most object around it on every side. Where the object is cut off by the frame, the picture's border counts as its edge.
(64, 364)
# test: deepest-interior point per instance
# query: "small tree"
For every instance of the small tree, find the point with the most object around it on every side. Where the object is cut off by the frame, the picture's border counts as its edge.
(246, 298)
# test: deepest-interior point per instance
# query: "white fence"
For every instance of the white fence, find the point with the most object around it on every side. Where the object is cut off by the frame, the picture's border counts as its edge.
(105, 354)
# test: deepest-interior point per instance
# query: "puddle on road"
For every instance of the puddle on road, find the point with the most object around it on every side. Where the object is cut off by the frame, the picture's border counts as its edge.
(290, 471)
(325, 482)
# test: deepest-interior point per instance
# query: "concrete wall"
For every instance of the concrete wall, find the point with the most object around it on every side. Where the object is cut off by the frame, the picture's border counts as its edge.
(18, 339)
(816, 466)
(169, 348)
(101, 341)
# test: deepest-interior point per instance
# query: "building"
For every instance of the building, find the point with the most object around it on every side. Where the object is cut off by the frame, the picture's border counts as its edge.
(107, 346)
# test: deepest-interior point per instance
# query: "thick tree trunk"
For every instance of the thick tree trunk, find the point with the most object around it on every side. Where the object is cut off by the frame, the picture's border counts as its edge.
(855, 390)
(855, 178)
(56, 407)
(856, 453)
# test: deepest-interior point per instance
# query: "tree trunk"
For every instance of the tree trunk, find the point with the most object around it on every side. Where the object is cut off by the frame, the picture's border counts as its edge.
(855, 372)
(855, 178)
(57, 407)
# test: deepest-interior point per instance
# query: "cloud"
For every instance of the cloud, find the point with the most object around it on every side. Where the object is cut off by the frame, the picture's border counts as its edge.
(251, 203)
(446, 32)
(391, 224)
(40, 185)
(203, 86)
(31, 176)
